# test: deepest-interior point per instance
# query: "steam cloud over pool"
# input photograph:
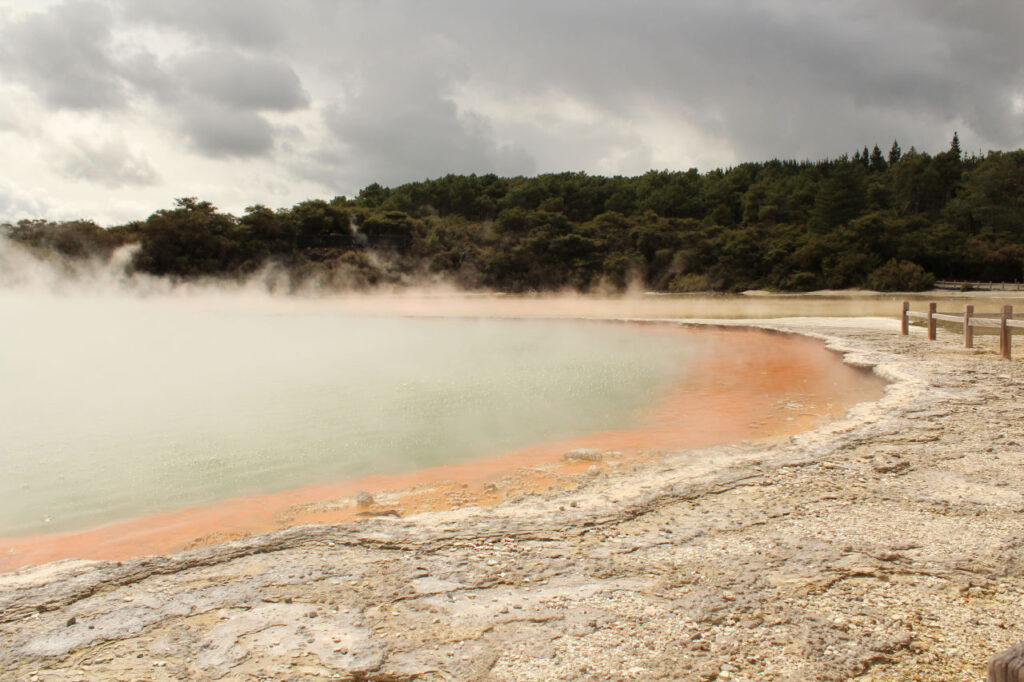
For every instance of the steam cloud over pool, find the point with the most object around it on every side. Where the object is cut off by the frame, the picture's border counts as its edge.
(113, 406)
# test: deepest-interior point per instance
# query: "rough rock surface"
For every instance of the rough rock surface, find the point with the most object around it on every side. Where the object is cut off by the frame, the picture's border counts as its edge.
(886, 546)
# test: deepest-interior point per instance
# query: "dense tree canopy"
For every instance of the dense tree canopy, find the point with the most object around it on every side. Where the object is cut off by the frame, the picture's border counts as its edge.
(892, 221)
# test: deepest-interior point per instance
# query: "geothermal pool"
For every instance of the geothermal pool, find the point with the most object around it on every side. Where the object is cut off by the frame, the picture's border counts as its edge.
(113, 407)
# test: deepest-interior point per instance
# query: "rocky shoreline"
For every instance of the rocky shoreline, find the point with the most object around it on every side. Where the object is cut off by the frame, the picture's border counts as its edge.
(885, 546)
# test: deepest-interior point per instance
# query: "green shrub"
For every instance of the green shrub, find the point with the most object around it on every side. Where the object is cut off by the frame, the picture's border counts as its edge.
(690, 282)
(900, 275)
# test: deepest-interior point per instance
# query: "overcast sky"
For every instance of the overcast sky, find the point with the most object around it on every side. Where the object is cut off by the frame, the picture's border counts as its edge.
(110, 110)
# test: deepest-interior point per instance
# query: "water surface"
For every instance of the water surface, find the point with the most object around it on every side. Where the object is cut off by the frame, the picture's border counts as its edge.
(114, 407)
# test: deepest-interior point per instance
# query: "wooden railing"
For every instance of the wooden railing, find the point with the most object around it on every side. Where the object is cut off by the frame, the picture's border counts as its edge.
(1007, 666)
(961, 285)
(1002, 321)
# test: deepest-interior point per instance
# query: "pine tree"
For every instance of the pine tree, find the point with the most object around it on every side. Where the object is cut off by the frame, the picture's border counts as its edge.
(895, 153)
(864, 156)
(950, 168)
(877, 161)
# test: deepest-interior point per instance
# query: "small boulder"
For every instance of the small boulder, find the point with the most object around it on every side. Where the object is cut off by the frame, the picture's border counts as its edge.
(583, 455)
(364, 499)
(889, 464)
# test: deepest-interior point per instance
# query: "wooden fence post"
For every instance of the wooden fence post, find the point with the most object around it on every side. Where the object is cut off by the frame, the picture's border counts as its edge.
(1004, 331)
(968, 329)
(931, 321)
(1007, 666)
(905, 320)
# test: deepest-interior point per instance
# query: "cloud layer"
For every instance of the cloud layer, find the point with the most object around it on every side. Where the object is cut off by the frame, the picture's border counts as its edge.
(277, 102)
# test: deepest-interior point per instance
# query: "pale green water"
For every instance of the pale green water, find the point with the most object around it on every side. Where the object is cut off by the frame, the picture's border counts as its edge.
(113, 407)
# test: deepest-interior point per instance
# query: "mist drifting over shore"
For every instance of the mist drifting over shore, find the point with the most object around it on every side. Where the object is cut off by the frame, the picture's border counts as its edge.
(127, 394)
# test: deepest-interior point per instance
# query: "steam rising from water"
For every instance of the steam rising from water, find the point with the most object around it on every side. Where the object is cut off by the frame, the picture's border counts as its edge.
(116, 404)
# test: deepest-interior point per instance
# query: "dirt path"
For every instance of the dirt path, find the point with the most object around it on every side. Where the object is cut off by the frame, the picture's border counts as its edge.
(887, 546)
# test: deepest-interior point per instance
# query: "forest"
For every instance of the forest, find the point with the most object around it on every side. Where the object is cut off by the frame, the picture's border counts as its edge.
(884, 221)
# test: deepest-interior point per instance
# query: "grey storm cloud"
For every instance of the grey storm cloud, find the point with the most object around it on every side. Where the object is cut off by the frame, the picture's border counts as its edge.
(63, 53)
(398, 90)
(69, 55)
(219, 131)
(782, 77)
(253, 23)
(402, 127)
(769, 78)
(219, 96)
(241, 81)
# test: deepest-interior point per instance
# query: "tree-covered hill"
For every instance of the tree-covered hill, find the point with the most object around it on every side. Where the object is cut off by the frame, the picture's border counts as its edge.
(879, 220)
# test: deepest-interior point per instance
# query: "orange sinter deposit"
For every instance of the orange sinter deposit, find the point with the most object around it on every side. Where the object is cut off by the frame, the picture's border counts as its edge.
(752, 385)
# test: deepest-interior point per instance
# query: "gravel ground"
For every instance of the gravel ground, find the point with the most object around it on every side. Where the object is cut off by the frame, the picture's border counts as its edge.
(886, 546)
